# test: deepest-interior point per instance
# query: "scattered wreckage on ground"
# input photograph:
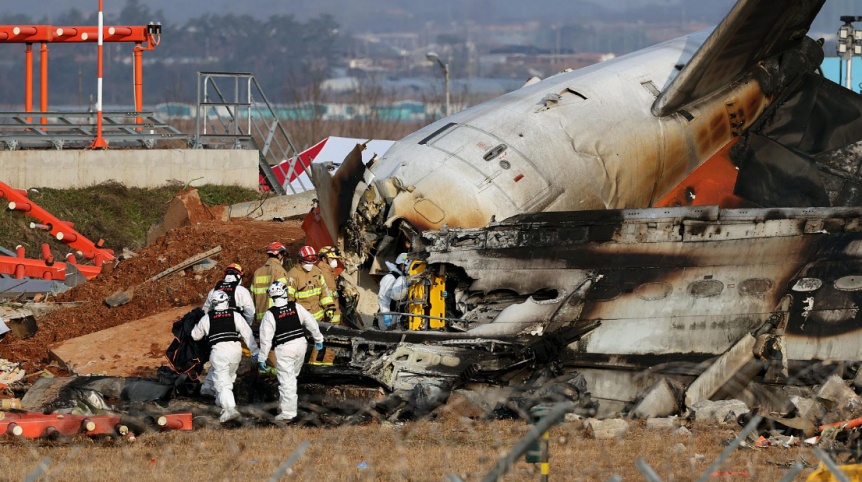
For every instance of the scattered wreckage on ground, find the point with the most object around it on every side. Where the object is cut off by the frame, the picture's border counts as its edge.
(593, 238)
(675, 225)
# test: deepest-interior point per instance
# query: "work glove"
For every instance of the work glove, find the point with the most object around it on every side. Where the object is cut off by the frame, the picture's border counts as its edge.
(387, 321)
(262, 366)
(329, 313)
(318, 346)
(254, 358)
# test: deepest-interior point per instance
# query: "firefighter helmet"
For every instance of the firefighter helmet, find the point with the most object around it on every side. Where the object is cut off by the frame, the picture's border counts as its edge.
(275, 248)
(329, 252)
(234, 268)
(307, 254)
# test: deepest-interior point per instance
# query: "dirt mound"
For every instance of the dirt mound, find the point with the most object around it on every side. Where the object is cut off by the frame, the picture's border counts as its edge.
(242, 241)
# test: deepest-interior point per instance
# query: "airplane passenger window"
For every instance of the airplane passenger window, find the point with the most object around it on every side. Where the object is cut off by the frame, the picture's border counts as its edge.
(757, 287)
(705, 288)
(653, 291)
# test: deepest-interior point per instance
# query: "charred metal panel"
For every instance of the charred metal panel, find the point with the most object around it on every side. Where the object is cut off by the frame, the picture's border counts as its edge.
(408, 364)
(664, 283)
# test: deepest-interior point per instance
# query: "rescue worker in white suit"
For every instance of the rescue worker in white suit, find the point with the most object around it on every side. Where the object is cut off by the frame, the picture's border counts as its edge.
(239, 299)
(283, 328)
(393, 288)
(240, 296)
(224, 328)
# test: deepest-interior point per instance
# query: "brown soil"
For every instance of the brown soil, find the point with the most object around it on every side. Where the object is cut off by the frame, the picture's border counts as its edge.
(242, 241)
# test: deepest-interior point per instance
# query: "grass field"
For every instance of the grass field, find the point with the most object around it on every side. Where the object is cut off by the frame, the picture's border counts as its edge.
(118, 214)
(414, 451)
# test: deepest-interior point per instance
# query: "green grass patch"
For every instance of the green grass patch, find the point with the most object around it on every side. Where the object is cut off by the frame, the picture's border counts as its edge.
(111, 211)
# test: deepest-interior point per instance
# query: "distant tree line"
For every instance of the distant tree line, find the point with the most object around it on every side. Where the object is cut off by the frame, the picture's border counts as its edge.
(280, 51)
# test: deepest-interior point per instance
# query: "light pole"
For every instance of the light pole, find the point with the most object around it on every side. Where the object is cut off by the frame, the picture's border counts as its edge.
(849, 44)
(434, 57)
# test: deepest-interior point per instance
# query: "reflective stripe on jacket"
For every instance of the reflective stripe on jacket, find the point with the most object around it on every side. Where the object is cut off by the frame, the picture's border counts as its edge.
(309, 289)
(267, 274)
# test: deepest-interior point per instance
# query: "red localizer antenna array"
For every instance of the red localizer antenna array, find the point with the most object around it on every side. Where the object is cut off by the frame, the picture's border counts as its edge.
(144, 37)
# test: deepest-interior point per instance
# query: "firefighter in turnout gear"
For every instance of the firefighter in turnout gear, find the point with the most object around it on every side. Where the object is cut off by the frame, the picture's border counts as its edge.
(239, 300)
(306, 285)
(270, 272)
(224, 328)
(283, 328)
(329, 263)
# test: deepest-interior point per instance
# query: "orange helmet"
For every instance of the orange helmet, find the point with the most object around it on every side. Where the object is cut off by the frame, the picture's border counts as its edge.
(307, 254)
(234, 268)
(275, 248)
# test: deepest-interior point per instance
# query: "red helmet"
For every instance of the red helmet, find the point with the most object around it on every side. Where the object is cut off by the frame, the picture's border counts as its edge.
(235, 268)
(307, 254)
(275, 248)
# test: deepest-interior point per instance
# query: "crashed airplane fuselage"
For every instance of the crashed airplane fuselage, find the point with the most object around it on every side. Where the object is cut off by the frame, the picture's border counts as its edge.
(542, 211)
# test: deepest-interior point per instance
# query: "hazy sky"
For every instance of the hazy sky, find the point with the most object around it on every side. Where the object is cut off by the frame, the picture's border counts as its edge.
(360, 15)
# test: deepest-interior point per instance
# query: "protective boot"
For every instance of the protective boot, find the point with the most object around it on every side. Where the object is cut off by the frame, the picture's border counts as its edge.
(228, 414)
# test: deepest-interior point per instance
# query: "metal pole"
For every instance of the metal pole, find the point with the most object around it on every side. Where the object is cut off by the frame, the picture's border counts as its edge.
(43, 80)
(849, 74)
(198, 115)
(544, 466)
(99, 142)
(28, 79)
(138, 79)
(446, 75)
(505, 463)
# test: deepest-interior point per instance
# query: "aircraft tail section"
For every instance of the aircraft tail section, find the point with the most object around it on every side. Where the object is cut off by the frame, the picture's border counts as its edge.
(753, 31)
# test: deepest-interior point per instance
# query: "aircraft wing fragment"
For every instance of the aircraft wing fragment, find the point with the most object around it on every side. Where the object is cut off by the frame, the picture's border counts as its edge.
(754, 30)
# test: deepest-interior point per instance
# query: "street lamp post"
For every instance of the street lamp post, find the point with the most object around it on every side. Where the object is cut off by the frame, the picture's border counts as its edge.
(434, 57)
(849, 44)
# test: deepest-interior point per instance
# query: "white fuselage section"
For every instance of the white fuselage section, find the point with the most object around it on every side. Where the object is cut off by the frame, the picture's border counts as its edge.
(579, 140)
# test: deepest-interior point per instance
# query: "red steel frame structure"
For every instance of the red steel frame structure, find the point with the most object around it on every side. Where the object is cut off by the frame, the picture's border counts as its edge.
(144, 37)
(63, 231)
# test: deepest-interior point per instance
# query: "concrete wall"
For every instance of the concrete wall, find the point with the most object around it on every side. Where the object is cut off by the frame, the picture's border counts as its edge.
(132, 167)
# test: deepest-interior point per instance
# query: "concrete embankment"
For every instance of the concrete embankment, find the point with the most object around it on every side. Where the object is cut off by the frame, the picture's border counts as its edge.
(132, 167)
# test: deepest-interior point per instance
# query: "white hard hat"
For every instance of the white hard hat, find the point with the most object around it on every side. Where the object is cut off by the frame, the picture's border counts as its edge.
(277, 290)
(401, 259)
(221, 300)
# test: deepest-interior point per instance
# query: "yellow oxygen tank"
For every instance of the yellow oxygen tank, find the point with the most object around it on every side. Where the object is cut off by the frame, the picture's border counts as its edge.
(426, 296)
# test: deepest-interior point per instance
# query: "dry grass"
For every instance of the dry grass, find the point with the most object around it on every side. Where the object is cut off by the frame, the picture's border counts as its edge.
(415, 451)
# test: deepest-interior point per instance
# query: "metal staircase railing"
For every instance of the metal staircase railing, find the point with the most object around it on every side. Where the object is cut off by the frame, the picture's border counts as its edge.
(234, 113)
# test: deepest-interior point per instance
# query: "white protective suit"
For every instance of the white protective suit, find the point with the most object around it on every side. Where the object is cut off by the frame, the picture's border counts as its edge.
(225, 358)
(393, 287)
(245, 305)
(242, 298)
(289, 356)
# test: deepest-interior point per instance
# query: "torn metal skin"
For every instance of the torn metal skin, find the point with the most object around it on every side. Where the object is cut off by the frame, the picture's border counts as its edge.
(406, 363)
(540, 208)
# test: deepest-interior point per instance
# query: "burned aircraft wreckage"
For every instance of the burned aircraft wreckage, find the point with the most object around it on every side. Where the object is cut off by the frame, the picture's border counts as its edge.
(606, 228)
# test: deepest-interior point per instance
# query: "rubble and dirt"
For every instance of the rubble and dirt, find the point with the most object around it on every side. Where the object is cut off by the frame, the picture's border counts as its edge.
(242, 241)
